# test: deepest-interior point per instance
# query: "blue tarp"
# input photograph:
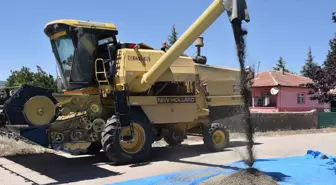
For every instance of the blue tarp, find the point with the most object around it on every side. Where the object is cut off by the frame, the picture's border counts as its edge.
(310, 169)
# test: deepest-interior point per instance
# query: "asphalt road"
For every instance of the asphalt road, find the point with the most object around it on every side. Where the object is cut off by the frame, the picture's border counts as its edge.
(86, 170)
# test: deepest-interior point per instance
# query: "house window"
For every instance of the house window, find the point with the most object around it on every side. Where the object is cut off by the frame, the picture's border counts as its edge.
(300, 98)
(265, 100)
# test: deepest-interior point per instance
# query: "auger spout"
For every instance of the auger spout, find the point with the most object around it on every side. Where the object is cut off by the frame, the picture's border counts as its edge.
(236, 9)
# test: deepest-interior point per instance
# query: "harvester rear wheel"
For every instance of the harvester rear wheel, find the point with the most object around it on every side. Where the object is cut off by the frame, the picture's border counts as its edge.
(216, 137)
(128, 152)
(173, 138)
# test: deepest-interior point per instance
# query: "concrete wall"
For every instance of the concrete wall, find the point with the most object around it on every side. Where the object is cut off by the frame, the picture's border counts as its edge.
(275, 121)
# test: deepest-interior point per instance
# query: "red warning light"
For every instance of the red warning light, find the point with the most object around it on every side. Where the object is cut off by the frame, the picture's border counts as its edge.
(131, 45)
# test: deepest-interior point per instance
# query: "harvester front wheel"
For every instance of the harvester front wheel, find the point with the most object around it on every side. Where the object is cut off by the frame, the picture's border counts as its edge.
(216, 137)
(94, 148)
(128, 152)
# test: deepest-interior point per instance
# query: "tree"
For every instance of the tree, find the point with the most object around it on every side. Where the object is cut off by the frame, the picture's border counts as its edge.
(25, 76)
(281, 64)
(334, 17)
(324, 77)
(309, 66)
(172, 38)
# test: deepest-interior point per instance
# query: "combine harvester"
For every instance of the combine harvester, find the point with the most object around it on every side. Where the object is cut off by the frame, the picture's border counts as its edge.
(121, 97)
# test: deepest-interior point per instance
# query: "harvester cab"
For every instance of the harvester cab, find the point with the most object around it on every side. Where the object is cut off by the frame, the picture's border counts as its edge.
(121, 97)
(86, 55)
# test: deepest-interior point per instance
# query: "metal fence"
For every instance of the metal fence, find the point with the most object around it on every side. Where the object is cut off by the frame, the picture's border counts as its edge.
(326, 119)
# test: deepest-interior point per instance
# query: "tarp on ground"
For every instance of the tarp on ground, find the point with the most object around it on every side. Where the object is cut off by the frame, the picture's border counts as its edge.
(314, 168)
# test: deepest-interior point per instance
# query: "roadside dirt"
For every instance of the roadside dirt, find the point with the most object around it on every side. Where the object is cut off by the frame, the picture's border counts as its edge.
(11, 145)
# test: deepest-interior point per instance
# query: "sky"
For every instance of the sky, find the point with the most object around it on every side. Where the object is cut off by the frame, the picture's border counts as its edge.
(277, 28)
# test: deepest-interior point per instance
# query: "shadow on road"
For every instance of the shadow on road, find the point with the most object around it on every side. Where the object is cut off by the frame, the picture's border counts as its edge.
(185, 151)
(175, 153)
(79, 168)
(241, 143)
(62, 169)
(277, 176)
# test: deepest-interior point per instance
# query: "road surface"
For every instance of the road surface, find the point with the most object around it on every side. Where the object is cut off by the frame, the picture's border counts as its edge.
(87, 170)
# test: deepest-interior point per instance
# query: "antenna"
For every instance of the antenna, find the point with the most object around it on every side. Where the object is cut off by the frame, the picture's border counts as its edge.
(258, 68)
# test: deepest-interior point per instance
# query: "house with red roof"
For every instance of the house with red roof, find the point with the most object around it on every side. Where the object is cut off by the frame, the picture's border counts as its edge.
(279, 91)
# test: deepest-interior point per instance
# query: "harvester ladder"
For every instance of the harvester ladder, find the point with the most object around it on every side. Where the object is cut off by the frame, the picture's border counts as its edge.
(101, 81)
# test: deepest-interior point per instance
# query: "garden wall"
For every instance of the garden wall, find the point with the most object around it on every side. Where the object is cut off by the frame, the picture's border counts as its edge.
(275, 121)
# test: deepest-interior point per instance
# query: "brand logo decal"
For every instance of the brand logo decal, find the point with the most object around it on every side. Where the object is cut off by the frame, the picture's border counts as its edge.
(176, 99)
(139, 58)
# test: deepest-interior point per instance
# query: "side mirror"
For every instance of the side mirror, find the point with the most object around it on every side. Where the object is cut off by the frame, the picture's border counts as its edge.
(112, 50)
(80, 31)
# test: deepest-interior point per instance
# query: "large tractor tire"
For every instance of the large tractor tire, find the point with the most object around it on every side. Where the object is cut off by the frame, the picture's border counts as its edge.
(4, 95)
(216, 137)
(133, 151)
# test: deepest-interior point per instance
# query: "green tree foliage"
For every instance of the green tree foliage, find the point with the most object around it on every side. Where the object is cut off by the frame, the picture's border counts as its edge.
(172, 38)
(324, 77)
(25, 76)
(280, 64)
(309, 66)
(334, 17)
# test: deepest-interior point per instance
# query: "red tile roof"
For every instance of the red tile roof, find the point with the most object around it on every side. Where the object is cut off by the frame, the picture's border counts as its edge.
(275, 78)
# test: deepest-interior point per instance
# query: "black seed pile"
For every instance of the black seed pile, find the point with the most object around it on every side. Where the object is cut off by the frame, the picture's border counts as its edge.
(249, 176)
